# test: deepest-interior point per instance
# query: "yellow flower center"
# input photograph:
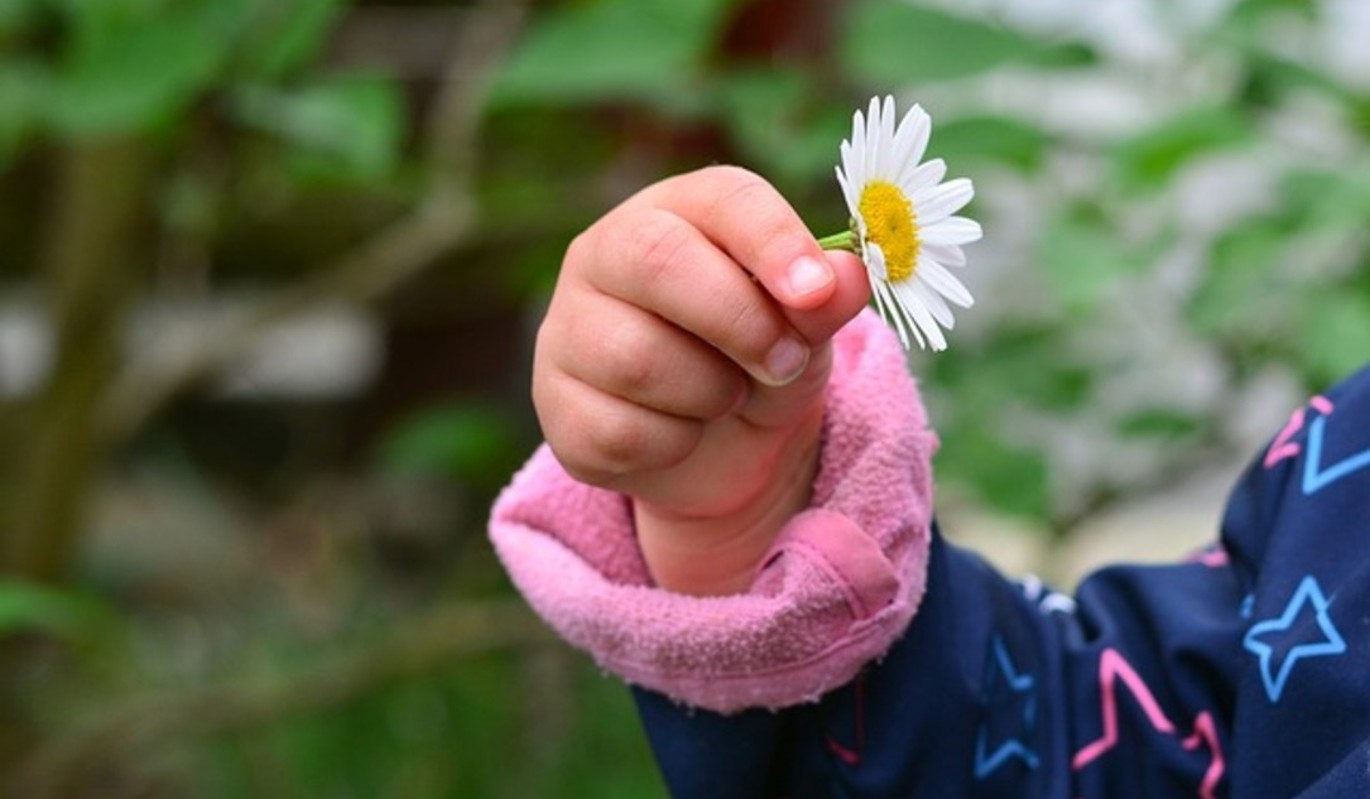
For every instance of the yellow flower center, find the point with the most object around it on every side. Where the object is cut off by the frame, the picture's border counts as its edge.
(891, 223)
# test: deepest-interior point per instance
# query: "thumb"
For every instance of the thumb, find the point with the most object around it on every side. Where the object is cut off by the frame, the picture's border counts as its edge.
(818, 313)
(837, 303)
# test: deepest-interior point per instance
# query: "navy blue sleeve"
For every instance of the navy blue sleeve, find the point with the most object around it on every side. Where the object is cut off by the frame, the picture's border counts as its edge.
(1242, 672)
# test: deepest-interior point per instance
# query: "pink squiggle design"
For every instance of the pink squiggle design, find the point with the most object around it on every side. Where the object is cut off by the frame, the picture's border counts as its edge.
(1114, 667)
(1206, 732)
(1213, 558)
(852, 755)
(1282, 447)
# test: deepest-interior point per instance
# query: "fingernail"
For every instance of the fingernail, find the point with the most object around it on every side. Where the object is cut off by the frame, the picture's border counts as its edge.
(786, 361)
(807, 275)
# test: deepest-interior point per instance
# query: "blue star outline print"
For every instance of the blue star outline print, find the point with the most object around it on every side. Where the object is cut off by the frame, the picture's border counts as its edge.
(1270, 640)
(1010, 701)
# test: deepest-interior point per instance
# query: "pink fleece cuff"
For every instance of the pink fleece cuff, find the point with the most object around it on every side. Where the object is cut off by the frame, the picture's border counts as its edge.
(839, 586)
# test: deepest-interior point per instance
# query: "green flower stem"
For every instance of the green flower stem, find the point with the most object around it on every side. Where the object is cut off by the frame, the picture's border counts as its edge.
(846, 240)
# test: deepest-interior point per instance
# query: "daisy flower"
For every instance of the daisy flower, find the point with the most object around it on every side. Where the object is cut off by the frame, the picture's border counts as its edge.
(902, 222)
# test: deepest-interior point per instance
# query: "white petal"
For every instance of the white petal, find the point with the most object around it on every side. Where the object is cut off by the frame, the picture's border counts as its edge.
(886, 137)
(934, 302)
(874, 258)
(872, 159)
(919, 125)
(945, 254)
(924, 320)
(903, 144)
(890, 309)
(856, 167)
(955, 230)
(938, 203)
(915, 179)
(937, 277)
(847, 194)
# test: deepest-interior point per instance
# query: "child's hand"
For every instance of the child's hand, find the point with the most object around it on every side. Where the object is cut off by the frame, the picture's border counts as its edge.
(683, 362)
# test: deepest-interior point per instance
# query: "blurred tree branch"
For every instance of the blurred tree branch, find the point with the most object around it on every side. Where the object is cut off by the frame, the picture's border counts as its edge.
(71, 764)
(443, 221)
(88, 405)
(89, 235)
(95, 215)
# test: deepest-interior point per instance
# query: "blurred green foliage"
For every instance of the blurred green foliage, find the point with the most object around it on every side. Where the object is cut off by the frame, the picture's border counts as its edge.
(1110, 268)
(27, 607)
(644, 51)
(468, 442)
(889, 43)
(134, 66)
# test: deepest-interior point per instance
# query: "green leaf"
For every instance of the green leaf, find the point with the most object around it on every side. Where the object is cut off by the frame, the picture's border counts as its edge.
(351, 125)
(1081, 257)
(1151, 158)
(644, 50)
(131, 66)
(15, 14)
(1020, 361)
(22, 86)
(1244, 293)
(1285, 76)
(1329, 199)
(778, 122)
(1335, 332)
(1159, 423)
(466, 441)
(1252, 12)
(892, 43)
(285, 36)
(1006, 140)
(30, 607)
(1066, 55)
(1008, 478)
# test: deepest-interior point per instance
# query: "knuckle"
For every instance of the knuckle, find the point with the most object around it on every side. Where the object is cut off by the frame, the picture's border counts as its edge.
(611, 450)
(596, 453)
(774, 232)
(635, 361)
(543, 390)
(658, 240)
(580, 251)
(620, 444)
(738, 186)
(732, 176)
(752, 329)
(579, 468)
(723, 396)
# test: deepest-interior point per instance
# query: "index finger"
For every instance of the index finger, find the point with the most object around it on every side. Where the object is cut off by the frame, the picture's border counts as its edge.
(746, 217)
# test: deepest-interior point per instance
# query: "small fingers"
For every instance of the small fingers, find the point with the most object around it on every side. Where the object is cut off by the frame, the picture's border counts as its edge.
(629, 353)
(604, 440)
(747, 218)
(663, 264)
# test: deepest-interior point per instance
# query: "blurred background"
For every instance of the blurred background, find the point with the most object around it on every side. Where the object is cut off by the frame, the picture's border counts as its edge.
(270, 270)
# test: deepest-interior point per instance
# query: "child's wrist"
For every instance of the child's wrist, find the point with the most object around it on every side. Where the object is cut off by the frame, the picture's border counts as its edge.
(716, 556)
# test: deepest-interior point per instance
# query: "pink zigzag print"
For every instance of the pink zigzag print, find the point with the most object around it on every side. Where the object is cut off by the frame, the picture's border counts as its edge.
(1113, 667)
(1282, 448)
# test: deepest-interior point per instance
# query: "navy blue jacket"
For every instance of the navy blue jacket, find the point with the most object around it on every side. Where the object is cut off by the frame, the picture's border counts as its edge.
(1244, 672)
